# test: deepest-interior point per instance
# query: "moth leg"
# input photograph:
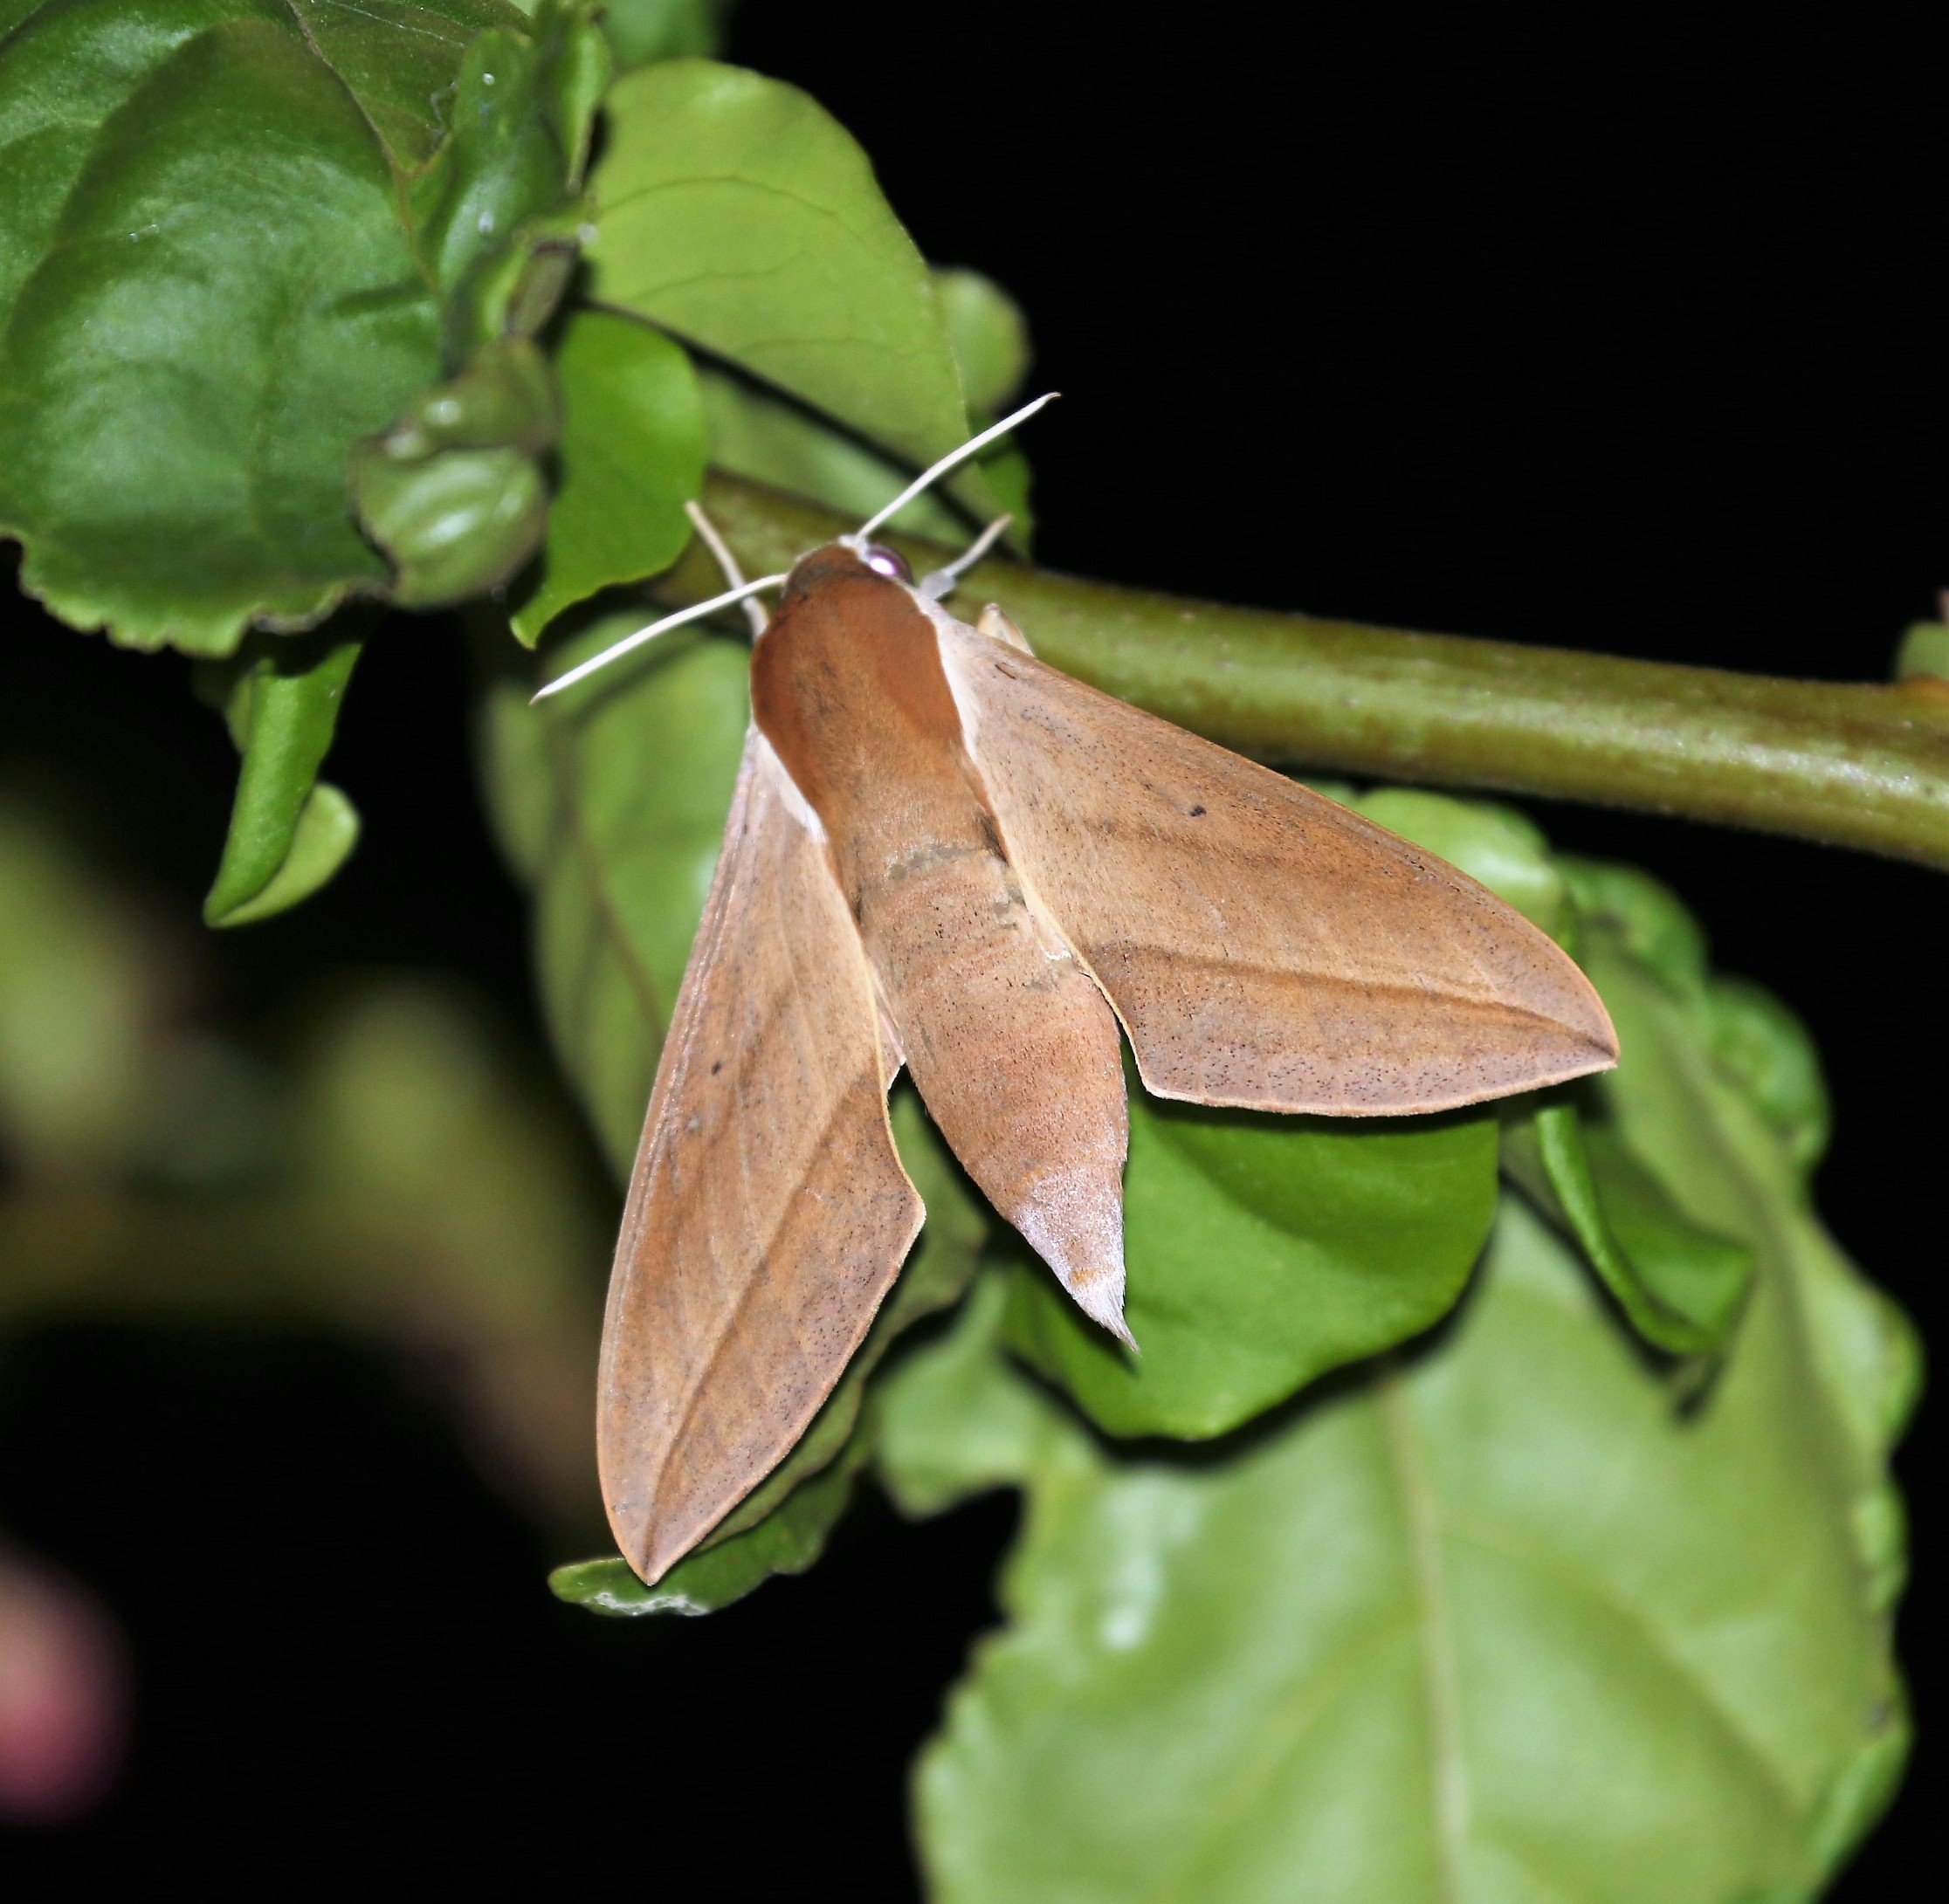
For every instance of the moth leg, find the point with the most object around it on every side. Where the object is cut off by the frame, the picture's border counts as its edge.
(997, 627)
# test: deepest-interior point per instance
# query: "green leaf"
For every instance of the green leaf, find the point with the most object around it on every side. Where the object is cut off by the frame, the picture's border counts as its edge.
(1507, 1621)
(988, 335)
(787, 1541)
(734, 211)
(1681, 1284)
(610, 800)
(236, 241)
(631, 456)
(454, 492)
(756, 433)
(281, 696)
(398, 56)
(641, 30)
(1262, 1252)
(327, 831)
(522, 112)
(956, 1421)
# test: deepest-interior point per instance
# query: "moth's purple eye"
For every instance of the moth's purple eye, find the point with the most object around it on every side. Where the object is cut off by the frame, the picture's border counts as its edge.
(886, 561)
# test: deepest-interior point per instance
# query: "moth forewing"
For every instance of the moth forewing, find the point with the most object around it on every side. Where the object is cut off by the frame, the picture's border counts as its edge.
(1264, 947)
(768, 1212)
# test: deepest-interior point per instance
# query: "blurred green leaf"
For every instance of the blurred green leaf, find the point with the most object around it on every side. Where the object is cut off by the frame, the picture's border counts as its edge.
(736, 212)
(76, 987)
(1712, 1133)
(235, 242)
(610, 801)
(280, 696)
(1760, 1043)
(394, 1175)
(1923, 653)
(988, 335)
(1681, 1284)
(1262, 1252)
(631, 456)
(640, 31)
(1510, 1621)
(1647, 916)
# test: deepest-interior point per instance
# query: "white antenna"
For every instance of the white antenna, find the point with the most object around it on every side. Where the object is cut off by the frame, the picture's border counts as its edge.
(939, 585)
(744, 590)
(734, 576)
(928, 478)
(696, 613)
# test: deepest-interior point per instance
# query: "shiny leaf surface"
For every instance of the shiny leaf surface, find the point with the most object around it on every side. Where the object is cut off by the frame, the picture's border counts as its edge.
(735, 211)
(238, 240)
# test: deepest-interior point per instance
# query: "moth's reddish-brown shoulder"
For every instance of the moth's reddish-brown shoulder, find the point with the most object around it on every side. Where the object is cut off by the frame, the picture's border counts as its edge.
(821, 567)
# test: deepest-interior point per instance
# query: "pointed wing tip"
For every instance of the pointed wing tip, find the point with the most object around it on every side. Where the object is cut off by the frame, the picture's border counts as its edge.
(1101, 1298)
(651, 1548)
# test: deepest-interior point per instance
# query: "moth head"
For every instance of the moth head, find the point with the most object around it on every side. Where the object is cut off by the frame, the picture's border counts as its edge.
(844, 560)
(858, 548)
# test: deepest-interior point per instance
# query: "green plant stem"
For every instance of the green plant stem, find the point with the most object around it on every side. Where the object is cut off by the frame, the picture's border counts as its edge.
(1858, 765)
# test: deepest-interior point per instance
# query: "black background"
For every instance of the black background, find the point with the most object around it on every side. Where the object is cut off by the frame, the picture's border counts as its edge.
(1561, 329)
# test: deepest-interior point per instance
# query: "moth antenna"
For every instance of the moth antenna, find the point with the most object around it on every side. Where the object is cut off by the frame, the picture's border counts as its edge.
(720, 551)
(954, 459)
(941, 583)
(696, 613)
